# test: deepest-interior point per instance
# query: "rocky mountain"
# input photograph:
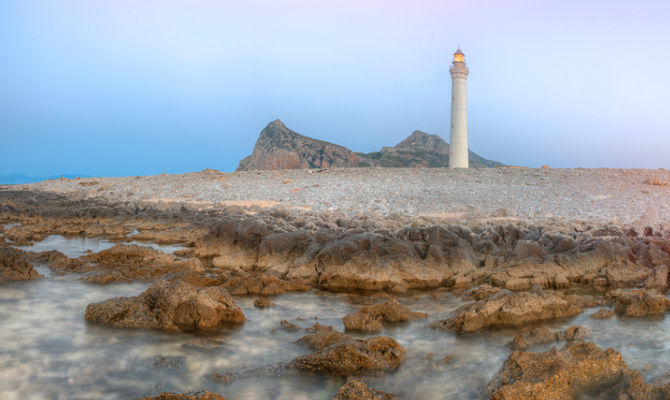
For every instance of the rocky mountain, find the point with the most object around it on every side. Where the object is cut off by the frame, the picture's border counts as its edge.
(278, 147)
(281, 148)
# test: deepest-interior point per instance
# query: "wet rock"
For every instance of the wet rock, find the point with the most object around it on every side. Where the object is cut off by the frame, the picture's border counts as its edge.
(639, 302)
(578, 369)
(354, 357)
(658, 278)
(603, 313)
(132, 262)
(266, 285)
(322, 337)
(186, 396)
(370, 318)
(288, 326)
(262, 302)
(484, 291)
(355, 389)
(15, 267)
(169, 306)
(508, 309)
(623, 275)
(542, 335)
(168, 362)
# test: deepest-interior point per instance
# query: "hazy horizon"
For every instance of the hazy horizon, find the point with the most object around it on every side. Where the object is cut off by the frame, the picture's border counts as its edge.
(137, 88)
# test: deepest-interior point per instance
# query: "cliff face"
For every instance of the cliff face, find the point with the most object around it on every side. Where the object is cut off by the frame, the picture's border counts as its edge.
(280, 148)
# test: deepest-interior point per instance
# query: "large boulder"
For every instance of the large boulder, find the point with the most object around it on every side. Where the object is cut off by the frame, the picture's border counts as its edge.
(370, 318)
(352, 357)
(170, 306)
(639, 302)
(356, 389)
(15, 267)
(508, 309)
(576, 371)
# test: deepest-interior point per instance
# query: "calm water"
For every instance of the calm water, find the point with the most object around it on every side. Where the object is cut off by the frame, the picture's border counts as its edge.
(74, 247)
(48, 351)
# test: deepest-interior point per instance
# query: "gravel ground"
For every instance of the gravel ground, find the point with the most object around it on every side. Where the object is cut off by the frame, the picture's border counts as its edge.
(614, 195)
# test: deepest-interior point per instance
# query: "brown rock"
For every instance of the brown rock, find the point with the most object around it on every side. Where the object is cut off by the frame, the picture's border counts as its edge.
(542, 335)
(370, 318)
(353, 357)
(484, 291)
(15, 267)
(288, 326)
(508, 309)
(322, 337)
(639, 302)
(355, 389)
(169, 306)
(578, 369)
(262, 302)
(603, 313)
(186, 396)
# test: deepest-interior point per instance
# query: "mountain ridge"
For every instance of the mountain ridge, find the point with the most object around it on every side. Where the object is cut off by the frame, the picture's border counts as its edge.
(278, 147)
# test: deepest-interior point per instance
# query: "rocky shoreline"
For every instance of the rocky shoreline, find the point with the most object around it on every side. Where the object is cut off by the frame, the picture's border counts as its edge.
(511, 272)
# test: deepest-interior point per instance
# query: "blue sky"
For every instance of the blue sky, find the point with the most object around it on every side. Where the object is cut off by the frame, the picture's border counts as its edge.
(134, 87)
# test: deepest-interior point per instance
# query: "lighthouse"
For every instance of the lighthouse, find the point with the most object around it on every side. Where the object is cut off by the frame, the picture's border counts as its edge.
(458, 144)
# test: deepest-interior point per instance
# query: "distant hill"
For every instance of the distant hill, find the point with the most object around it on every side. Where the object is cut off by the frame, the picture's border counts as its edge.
(19, 179)
(278, 147)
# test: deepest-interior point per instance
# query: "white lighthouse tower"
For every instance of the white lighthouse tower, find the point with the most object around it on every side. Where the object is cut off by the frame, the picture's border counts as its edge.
(458, 144)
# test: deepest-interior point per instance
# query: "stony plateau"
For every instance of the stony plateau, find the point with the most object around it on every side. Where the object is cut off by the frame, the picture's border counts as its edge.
(486, 256)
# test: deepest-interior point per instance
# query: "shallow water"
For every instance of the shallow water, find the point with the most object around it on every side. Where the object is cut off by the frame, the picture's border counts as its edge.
(47, 350)
(77, 246)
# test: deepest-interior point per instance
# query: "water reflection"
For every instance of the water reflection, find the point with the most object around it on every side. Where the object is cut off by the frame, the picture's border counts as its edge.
(47, 350)
(77, 246)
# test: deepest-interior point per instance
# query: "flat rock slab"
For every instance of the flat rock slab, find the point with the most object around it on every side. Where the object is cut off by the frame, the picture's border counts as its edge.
(508, 309)
(353, 357)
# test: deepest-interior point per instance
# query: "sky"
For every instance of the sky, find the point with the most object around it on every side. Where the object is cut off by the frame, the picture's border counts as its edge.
(137, 87)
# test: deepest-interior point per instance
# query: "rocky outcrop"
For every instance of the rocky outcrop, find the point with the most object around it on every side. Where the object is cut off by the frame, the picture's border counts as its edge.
(603, 313)
(639, 302)
(15, 267)
(356, 389)
(370, 318)
(186, 396)
(576, 371)
(353, 357)
(419, 150)
(170, 306)
(123, 263)
(322, 337)
(508, 309)
(278, 147)
(543, 335)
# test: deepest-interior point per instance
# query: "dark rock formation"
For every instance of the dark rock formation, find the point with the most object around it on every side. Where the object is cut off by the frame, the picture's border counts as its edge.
(370, 318)
(169, 306)
(355, 389)
(186, 396)
(278, 147)
(576, 371)
(281, 148)
(15, 267)
(508, 309)
(353, 357)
